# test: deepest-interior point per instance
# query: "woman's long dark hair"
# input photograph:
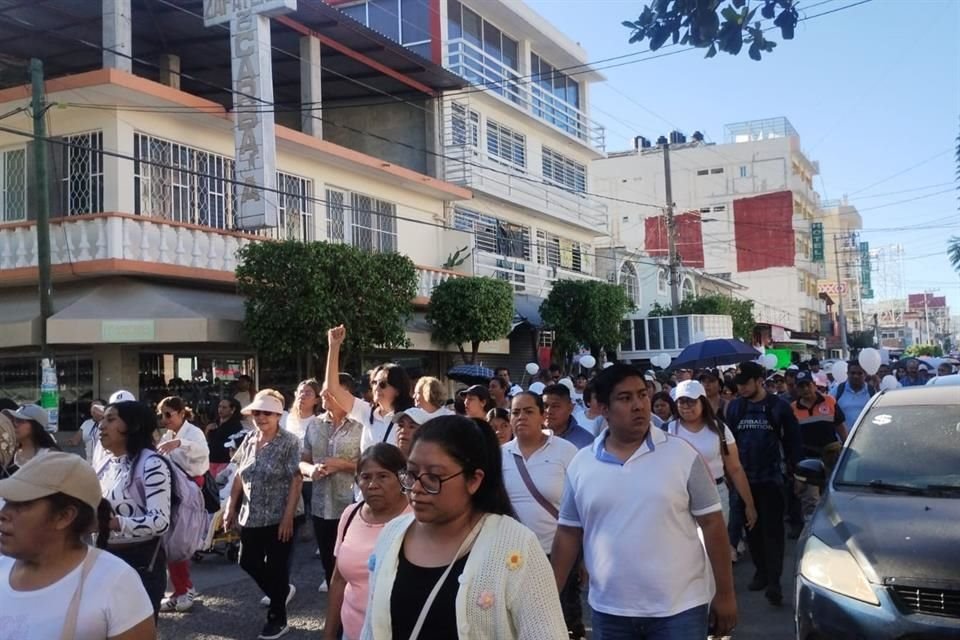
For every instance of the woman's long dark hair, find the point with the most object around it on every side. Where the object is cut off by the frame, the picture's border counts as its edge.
(141, 424)
(398, 379)
(714, 423)
(42, 439)
(663, 395)
(83, 524)
(474, 444)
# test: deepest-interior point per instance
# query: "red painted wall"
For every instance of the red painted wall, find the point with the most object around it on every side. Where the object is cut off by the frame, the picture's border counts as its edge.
(689, 238)
(763, 229)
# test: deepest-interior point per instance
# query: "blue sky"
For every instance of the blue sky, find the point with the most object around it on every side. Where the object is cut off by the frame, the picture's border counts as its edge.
(874, 91)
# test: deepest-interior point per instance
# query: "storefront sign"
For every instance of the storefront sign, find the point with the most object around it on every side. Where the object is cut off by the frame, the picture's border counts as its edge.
(256, 145)
(816, 239)
(120, 331)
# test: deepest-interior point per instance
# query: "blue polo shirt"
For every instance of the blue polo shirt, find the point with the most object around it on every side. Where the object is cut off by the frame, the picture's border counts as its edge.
(576, 435)
(852, 402)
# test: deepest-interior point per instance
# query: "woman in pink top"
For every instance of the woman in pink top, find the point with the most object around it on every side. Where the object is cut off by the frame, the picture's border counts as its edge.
(360, 526)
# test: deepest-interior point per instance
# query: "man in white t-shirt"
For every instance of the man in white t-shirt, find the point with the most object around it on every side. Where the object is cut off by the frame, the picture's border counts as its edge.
(641, 546)
(50, 503)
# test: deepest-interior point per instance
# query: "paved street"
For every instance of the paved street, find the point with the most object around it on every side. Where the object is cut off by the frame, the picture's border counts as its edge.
(229, 605)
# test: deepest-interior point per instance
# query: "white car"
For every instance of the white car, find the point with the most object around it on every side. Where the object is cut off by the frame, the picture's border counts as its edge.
(952, 379)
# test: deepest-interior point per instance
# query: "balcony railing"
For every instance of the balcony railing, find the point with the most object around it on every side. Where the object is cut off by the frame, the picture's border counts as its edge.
(470, 62)
(646, 337)
(526, 276)
(124, 243)
(468, 166)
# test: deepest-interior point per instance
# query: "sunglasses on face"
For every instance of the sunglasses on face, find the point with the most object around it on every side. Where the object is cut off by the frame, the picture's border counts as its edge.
(381, 384)
(262, 413)
(168, 414)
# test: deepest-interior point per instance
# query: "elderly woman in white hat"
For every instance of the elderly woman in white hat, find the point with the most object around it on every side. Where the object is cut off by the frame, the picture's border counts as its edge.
(266, 503)
(52, 583)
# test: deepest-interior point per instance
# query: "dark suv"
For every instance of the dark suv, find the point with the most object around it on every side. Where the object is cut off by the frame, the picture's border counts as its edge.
(880, 559)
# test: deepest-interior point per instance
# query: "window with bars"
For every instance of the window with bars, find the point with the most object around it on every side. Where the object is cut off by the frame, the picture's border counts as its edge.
(361, 220)
(13, 185)
(493, 234)
(630, 282)
(506, 144)
(465, 125)
(82, 173)
(563, 171)
(294, 209)
(558, 252)
(181, 183)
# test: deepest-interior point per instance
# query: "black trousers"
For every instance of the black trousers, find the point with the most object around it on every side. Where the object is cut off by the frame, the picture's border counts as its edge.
(266, 559)
(571, 603)
(150, 562)
(766, 539)
(326, 533)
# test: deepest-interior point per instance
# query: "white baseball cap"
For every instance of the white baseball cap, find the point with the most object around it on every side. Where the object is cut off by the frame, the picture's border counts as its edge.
(689, 389)
(122, 396)
(537, 387)
(418, 415)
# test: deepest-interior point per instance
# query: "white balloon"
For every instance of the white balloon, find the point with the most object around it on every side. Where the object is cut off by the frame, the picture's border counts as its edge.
(870, 360)
(769, 361)
(839, 371)
(588, 362)
(533, 368)
(889, 382)
(606, 365)
(663, 360)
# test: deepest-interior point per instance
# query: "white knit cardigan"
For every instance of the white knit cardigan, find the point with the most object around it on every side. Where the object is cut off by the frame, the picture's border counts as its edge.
(507, 589)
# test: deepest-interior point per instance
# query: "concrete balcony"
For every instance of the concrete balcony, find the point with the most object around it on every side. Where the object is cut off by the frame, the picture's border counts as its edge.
(470, 62)
(110, 244)
(526, 276)
(469, 167)
(646, 337)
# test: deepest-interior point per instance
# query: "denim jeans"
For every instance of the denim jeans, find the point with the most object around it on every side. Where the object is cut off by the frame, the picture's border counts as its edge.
(691, 624)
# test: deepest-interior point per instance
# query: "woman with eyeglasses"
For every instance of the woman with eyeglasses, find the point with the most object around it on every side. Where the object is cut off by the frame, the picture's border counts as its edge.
(186, 446)
(303, 412)
(357, 533)
(391, 393)
(265, 502)
(330, 453)
(499, 419)
(461, 565)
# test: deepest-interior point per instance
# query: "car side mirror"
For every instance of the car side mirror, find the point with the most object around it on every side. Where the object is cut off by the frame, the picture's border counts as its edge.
(812, 472)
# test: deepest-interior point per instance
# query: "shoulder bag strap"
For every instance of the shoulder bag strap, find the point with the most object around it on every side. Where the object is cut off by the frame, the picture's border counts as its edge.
(464, 548)
(353, 514)
(386, 434)
(73, 610)
(532, 488)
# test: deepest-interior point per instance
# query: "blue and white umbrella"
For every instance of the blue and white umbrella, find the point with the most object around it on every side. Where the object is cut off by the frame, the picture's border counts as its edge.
(470, 374)
(714, 353)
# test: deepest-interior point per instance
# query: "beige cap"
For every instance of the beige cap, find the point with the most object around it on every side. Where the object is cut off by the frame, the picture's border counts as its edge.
(263, 402)
(51, 473)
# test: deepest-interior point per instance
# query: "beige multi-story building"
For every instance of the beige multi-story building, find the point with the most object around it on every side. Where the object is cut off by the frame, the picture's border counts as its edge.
(744, 211)
(143, 159)
(841, 250)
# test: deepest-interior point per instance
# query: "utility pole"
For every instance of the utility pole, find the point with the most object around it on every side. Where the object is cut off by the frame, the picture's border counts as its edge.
(38, 106)
(673, 260)
(842, 318)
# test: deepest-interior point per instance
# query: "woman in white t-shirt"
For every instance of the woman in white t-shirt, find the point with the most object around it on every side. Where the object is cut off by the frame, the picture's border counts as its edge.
(701, 427)
(391, 393)
(51, 581)
(185, 445)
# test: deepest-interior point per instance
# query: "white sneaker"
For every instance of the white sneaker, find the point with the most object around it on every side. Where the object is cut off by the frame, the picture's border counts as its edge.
(323, 587)
(265, 600)
(185, 602)
(168, 604)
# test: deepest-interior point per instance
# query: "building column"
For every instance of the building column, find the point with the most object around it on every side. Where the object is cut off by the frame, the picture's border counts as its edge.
(433, 134)
(117, 367)
(117, 35)
(118, 192)
(170, 70)
(310, 87)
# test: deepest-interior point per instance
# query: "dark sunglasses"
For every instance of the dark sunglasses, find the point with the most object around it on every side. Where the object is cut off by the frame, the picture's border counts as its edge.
(382, 384)
(168, 414)
(262, 413)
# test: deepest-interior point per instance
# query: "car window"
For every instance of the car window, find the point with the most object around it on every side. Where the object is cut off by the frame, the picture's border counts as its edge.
(911, 445)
